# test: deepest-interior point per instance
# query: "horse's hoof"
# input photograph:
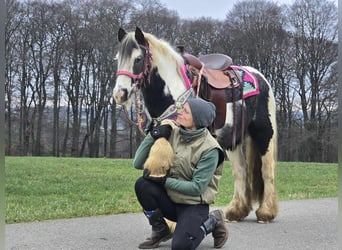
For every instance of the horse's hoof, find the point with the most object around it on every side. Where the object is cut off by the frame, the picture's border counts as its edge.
(236, 215)
(264, 216)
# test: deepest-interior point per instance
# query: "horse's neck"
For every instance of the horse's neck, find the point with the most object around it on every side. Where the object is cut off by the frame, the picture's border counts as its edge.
(166, 85)
(162, 91)
(169, 71)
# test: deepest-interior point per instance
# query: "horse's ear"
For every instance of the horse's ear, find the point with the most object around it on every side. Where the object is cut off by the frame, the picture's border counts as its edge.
(121, 34)
(139, 36)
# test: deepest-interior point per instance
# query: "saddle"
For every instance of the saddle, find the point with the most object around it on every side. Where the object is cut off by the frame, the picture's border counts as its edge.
(216, 68)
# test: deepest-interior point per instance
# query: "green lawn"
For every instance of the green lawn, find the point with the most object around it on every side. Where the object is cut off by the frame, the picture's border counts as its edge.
(41, 188)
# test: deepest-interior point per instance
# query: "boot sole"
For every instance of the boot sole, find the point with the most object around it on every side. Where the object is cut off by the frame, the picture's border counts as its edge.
(224, 242)
(156, 245)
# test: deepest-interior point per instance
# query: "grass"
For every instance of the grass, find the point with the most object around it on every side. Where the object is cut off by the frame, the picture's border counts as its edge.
(41, 188)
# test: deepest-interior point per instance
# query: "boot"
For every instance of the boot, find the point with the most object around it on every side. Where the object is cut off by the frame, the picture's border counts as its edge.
(215, 224)
(160, 230)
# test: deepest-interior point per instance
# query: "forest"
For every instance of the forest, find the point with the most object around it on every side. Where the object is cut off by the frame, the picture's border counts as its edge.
(60, 71)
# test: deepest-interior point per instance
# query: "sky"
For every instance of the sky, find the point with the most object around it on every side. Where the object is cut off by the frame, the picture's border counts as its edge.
(216, 9)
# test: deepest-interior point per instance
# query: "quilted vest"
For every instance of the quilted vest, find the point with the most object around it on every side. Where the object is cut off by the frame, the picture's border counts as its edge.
(184, 166)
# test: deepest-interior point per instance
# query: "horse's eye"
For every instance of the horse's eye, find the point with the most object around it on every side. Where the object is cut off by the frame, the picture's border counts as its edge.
(138, 59)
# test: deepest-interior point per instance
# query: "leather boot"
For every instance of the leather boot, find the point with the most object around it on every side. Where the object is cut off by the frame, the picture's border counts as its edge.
(160, 230)
(215, 224)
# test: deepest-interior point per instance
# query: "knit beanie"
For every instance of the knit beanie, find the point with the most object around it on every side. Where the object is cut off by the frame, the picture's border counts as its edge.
(203, 112)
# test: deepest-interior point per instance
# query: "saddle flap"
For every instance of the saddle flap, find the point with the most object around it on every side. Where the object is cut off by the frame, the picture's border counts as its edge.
(216, 78)
(216, 61)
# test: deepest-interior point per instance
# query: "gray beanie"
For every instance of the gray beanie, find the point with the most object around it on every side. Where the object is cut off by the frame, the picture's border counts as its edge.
(203, 112)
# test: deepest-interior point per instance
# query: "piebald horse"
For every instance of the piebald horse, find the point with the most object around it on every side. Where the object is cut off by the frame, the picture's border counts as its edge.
(153, 68)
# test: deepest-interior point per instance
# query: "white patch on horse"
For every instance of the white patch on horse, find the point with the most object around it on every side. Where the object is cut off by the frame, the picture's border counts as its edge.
(230, 112)
(175, 83)
(124, 81)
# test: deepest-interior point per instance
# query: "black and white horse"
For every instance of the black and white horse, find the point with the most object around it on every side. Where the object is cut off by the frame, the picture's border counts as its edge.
(150, 66)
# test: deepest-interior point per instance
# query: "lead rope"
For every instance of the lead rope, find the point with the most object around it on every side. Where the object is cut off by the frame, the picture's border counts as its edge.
(139, 109)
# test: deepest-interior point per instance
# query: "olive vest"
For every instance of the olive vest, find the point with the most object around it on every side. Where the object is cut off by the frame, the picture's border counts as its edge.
(184, 166)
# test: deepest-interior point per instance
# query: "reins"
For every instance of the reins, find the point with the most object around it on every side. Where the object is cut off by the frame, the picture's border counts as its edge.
(140, 110)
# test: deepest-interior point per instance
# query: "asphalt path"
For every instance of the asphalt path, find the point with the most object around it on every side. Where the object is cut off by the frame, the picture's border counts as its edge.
(302, 224)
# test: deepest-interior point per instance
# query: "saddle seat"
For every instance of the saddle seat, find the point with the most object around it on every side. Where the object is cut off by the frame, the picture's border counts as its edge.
(216, 61)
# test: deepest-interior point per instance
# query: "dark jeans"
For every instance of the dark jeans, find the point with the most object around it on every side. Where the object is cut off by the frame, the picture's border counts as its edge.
(189, 218)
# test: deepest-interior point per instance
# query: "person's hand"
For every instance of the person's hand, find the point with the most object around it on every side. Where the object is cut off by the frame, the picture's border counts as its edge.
(170, 122)
(160, 180)
(161, 131)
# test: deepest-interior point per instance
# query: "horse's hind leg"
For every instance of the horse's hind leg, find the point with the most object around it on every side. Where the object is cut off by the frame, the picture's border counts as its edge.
(262, 176)
(268, 208)
(241, 204)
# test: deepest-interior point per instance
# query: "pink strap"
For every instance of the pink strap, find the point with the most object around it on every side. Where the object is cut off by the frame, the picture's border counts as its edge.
(130, 74)
(186, 79)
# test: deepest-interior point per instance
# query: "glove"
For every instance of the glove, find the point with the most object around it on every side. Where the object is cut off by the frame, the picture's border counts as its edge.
(158, 180)
(161, 131)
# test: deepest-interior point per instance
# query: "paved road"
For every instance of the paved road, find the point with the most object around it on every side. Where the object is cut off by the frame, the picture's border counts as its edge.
(304, 224)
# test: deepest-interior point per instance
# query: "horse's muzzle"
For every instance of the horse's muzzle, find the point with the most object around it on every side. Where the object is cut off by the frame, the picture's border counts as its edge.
(120, 96)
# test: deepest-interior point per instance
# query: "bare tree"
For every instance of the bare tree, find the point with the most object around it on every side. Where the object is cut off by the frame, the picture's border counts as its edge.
(57, 29)
(151, 16)
(41, 63)
(24, 78)
(198, 35)
(11, 74)
(314, 25)
(256, 29)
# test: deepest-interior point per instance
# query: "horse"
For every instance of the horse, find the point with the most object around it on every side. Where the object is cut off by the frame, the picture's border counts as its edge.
(151, 67)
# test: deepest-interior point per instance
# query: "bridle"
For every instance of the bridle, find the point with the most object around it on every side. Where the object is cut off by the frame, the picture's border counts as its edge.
(139, 79)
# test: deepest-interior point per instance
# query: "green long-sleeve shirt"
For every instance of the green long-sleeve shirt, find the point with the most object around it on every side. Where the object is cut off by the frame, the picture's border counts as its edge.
(202, 174)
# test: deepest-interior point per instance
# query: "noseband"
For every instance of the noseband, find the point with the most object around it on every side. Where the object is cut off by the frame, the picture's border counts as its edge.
(138, 79)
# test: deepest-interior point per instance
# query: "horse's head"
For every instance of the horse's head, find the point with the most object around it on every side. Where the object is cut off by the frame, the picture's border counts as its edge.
(134, 58)
(161, 82)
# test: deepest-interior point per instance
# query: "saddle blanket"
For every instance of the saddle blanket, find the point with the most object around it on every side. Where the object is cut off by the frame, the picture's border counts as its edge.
(250, 85)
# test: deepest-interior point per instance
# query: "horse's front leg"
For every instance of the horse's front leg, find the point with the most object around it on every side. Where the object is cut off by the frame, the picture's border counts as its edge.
(268, 207)
(241, 204)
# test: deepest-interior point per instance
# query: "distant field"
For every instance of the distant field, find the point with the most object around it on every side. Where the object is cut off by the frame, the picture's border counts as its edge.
(41, 188)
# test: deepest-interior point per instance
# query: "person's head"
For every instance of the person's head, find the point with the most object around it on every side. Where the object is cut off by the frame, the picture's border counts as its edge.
(196, 113)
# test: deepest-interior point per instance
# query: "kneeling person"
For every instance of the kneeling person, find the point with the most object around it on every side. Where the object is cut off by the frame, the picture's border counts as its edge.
(184, 195)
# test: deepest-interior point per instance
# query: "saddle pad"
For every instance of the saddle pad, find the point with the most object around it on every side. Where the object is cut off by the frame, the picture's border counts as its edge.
(249, 82)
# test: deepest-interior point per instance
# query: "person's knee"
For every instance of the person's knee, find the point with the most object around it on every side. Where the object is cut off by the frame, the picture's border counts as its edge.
(184, 242)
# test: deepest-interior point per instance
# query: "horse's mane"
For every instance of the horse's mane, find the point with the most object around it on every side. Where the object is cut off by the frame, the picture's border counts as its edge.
(164, 48)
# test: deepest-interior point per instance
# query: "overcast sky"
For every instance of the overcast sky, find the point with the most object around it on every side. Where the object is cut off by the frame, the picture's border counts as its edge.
(209, 8)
